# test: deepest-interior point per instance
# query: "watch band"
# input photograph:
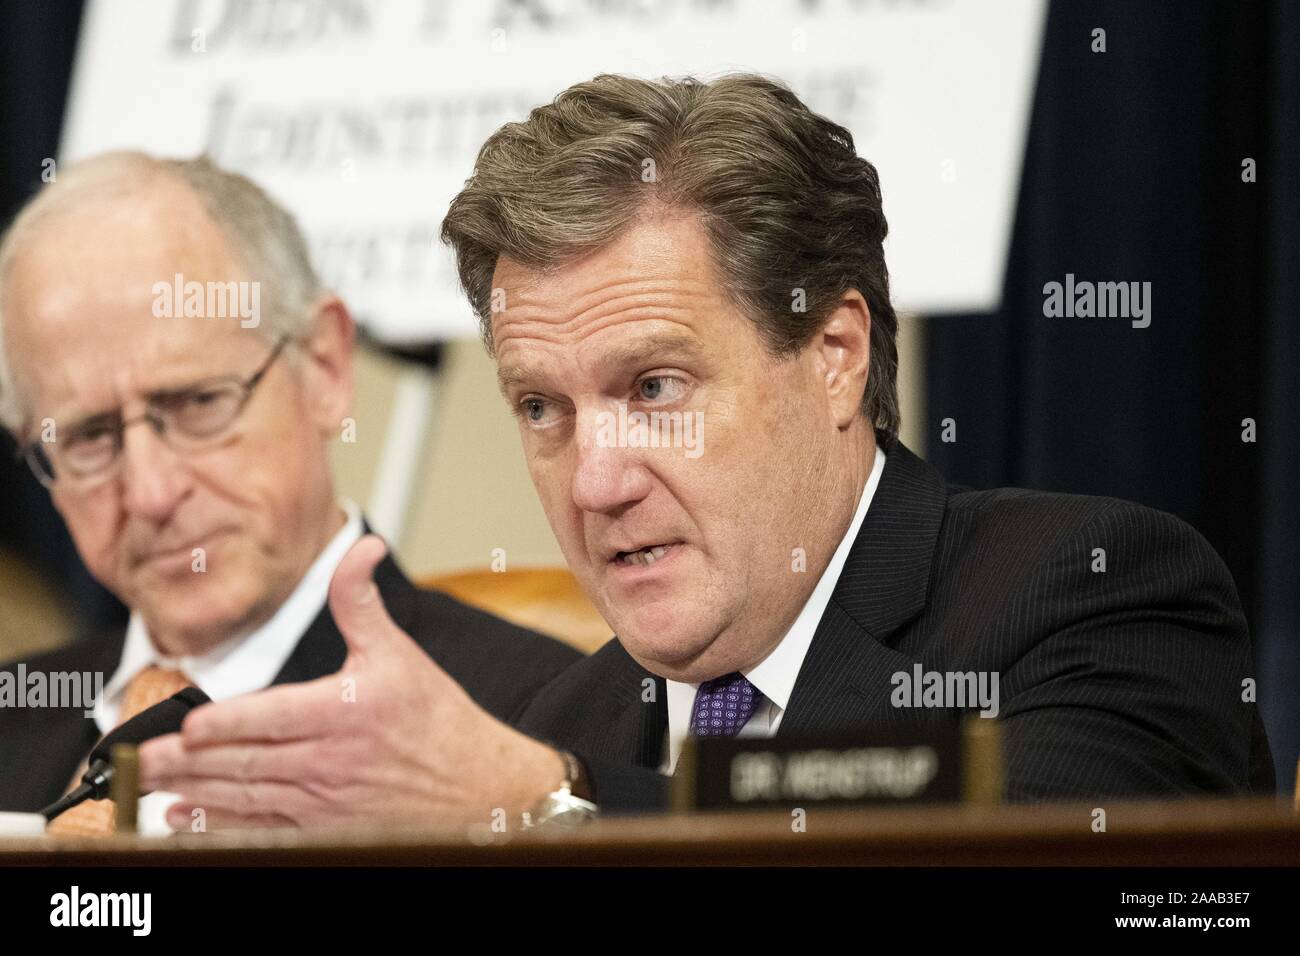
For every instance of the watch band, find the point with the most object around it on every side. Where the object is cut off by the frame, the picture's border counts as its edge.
(570, 804)
(579, 780)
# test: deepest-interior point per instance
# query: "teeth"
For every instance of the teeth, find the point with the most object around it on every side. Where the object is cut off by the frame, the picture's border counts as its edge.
(646, 556)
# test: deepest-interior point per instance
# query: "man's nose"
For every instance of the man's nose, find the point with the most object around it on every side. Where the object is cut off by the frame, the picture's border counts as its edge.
(606, 475)
(154, 479)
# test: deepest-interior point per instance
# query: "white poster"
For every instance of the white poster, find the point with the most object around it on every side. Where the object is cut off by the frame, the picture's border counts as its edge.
(364, 116)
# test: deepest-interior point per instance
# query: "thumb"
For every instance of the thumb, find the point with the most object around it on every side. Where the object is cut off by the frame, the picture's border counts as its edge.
(354, 598)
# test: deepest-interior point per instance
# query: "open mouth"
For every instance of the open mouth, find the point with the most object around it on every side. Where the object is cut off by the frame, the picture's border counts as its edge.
(645, 556)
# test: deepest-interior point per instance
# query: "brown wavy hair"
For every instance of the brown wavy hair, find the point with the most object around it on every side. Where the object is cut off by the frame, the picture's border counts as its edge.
(786, 202)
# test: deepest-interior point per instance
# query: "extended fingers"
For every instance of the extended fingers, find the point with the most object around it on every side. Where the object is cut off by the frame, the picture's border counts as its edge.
(285, 712)
(166, 760)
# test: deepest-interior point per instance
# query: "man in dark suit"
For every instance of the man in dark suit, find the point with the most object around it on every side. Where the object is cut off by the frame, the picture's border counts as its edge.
(684, 288)
(176, 374)
(1125, 682)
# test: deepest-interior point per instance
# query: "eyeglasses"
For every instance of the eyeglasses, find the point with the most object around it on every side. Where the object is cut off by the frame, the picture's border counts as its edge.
(187, 419)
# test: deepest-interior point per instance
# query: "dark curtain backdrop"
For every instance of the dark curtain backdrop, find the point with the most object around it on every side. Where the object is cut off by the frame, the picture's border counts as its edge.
(1133, 173)
(37, 46)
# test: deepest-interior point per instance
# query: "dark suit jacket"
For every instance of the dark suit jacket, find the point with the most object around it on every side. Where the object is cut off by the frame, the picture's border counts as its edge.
(501, 666)
(1118, 684)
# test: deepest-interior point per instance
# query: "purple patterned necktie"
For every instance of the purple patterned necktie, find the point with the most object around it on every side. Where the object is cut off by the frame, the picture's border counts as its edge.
(722, 706)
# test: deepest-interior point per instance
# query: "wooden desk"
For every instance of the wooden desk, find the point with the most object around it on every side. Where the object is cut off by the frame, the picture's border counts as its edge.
(1199, 833)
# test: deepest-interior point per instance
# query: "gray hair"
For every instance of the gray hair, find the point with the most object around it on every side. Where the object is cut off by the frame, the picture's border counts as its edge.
(263, 236)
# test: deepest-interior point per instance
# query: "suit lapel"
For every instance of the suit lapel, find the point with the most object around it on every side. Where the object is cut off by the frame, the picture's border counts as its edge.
(59, 738)
(321, 649)
(641, 723)
(607, 710)
(845, 676)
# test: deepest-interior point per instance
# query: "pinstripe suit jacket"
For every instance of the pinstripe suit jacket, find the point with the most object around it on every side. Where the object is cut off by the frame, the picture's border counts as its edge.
(1122, 683)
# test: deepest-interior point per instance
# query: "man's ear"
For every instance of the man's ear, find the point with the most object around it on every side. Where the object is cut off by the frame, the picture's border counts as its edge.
(843, 356)
(327, 368)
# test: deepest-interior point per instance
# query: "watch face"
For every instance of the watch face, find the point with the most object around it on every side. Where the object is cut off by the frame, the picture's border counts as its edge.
(564, 808)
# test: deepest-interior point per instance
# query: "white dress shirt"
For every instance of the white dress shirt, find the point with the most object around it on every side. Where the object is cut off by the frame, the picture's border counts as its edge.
(775, 675)
(240, 665)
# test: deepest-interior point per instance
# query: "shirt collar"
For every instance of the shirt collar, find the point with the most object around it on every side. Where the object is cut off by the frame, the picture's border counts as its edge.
(242, 664)
(776, 674)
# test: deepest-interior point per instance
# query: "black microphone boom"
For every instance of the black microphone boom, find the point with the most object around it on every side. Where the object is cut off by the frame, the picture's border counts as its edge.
(162, 718)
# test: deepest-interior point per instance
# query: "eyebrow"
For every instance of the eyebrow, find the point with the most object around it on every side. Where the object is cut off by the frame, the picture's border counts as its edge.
(510, 375)
(625, 353)
(153, 395)
(654, 345)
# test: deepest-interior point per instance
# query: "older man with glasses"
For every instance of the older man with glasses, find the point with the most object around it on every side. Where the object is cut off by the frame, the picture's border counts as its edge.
(217, 523)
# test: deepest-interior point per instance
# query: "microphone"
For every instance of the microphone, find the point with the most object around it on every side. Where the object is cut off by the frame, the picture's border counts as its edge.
(162, 718)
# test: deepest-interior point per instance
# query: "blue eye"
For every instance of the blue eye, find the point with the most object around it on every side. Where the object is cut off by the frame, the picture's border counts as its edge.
(656, 388)
(539, 412)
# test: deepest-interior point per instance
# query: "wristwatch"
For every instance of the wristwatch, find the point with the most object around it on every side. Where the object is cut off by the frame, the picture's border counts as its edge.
(571, 804)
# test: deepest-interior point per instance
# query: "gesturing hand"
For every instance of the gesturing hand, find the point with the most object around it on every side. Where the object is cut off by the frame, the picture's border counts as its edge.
(389, 739)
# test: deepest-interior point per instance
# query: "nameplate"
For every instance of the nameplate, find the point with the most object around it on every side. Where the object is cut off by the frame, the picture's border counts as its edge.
(932, 763)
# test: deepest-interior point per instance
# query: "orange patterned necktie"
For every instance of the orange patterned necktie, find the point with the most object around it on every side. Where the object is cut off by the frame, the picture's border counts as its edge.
(151, 686)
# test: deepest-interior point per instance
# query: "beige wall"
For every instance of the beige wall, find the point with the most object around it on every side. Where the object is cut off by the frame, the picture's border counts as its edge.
(474, 493)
